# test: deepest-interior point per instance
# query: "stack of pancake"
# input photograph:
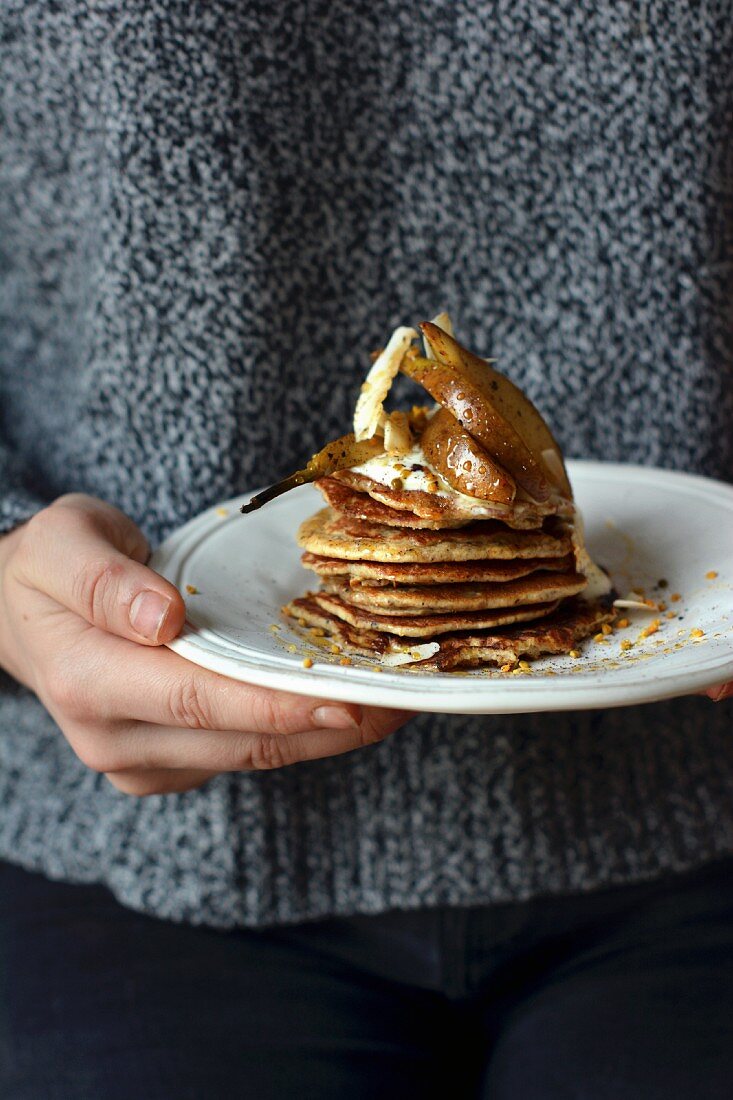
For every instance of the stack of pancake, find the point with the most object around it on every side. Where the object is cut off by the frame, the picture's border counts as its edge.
(450, 537)
(412, 577)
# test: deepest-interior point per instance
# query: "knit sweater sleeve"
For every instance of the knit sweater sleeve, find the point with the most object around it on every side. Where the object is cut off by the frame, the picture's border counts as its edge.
(17, 502)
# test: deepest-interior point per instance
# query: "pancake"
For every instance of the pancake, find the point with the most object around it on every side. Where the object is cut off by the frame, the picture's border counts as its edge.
(412, 567)
(428, 626)
(309, 613)
(560, 632)
(349, 502)
(432, 599)
(557, 633)
(392, 507)
(384, 573)
(451, 506)
(330, 535)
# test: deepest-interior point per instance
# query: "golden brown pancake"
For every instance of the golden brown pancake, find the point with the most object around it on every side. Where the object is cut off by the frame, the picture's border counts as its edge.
(328, 534)
(560, 632)
(383, 573)
(491, 579)
(450, 598)
(557, 633)
(451, 506)
(349, 502)
(428, 626)
(308, 613)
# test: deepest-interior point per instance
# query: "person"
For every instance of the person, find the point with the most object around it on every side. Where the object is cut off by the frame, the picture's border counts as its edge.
(209, 214)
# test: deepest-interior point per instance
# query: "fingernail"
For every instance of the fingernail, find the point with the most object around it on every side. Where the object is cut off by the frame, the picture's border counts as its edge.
(717, 695)
(148, 612)
(336, 718)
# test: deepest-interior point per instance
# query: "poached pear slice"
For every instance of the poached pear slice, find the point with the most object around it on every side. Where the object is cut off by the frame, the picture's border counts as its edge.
(338, 455)
(463, 462)
(492, 410)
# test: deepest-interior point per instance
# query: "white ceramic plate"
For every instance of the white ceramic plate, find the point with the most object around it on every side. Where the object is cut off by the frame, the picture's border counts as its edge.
(644, 525)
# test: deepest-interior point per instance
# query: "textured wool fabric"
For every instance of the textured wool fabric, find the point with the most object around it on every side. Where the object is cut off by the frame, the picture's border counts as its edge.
(209, 214)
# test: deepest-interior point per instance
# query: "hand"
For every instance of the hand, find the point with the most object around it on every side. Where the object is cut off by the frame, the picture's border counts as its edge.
(82, 622)
(720, 692)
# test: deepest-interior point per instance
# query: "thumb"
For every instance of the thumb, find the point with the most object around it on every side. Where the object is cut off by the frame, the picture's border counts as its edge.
(88, 556)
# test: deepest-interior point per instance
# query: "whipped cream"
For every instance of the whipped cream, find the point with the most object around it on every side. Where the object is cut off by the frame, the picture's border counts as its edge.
(385, 468)
(599, 583)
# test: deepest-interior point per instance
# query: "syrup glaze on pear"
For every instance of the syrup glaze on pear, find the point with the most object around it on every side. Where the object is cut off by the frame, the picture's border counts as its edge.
(463, 462)
(492, 410)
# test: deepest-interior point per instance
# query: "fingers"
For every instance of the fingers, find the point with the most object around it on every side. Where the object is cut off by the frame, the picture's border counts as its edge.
(88, 556)
(101, 678)
(720, 692)
(144, 781)
(141, 747)
(142, 784)
(143, 710)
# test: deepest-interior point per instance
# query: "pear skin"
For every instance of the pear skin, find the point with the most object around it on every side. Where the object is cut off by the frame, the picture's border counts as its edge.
(338, 455)
(492, 410)
(463, 462)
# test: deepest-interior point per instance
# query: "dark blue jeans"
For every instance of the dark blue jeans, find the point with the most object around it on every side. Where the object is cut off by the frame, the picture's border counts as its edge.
(624, 994)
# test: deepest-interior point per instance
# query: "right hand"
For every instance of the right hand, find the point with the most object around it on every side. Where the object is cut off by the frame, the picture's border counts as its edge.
(83, 622)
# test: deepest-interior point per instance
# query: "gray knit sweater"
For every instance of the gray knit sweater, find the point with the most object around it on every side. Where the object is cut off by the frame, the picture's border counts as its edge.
(209, 213)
